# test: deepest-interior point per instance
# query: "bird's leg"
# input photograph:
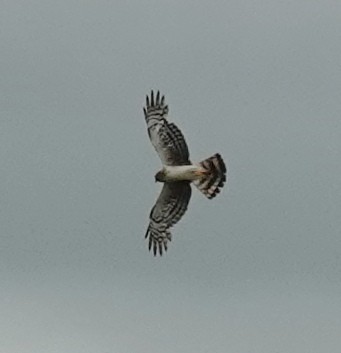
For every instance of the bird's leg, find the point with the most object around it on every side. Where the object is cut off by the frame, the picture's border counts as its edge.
(201, 172)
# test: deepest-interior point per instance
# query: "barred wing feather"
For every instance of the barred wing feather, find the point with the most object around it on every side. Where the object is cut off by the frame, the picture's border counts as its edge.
(170, 206)
(166, 137)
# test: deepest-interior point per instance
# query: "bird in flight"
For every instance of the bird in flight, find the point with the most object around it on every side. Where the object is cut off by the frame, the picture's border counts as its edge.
(177, 173)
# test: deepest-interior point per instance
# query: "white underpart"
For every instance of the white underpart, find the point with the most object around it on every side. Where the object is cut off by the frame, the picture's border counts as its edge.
(181, 172)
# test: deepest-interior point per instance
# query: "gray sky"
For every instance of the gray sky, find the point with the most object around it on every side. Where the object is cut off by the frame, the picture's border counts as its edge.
(255, 270)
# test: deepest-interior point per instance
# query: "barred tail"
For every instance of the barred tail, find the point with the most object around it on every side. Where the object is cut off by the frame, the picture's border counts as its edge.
(214, 176)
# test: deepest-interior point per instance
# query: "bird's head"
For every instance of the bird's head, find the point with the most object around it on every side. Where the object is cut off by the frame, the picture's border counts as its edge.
(160, 176)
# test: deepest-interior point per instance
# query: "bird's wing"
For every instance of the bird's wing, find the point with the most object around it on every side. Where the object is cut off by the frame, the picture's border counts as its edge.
(170, 206)
(166, 137)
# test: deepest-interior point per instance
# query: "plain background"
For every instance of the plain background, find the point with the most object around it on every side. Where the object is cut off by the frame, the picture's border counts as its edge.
(255, 270)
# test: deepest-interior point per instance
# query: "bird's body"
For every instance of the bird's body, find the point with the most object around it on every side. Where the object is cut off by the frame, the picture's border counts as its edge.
(177, 173)
(180, 173)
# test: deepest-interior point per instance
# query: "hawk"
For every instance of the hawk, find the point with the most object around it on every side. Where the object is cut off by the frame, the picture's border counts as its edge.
(177, 174)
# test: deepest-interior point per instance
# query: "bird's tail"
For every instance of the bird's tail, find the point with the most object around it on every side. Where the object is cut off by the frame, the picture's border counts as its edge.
(213, 176)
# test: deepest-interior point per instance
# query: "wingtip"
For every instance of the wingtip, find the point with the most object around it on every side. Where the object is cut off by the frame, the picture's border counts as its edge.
(158, 247)
(155, 99)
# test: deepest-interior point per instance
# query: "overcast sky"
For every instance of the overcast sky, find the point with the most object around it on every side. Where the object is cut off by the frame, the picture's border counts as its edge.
(255, 270)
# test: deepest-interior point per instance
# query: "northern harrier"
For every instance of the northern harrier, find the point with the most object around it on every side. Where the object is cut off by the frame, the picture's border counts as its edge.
(177, 173)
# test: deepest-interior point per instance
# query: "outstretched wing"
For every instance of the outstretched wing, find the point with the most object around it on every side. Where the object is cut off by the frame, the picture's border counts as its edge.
(168, 210)
(167, 139)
